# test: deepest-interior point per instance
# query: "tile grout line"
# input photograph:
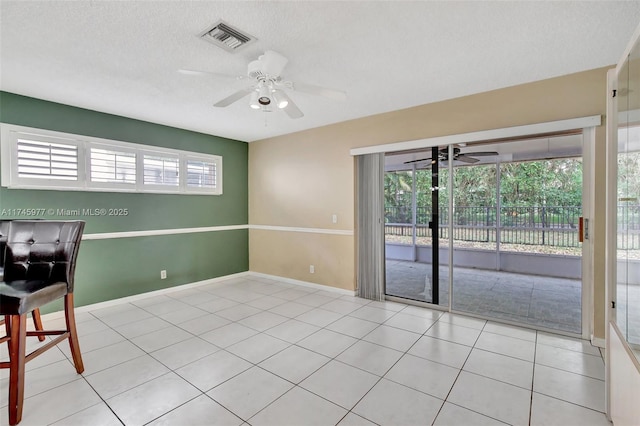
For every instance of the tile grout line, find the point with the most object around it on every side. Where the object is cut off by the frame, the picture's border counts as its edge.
(101, 399)
(332, 359)
(380, 378)
(378, 325)
(290, 345)
(144, 382)
(459, 373)
(297, 385)
(336, 360)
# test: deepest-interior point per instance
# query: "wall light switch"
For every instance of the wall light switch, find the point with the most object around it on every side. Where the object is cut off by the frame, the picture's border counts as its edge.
(312, 269)
(334, 218)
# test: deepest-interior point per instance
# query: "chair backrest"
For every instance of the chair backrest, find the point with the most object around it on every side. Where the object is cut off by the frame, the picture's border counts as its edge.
(42, 250)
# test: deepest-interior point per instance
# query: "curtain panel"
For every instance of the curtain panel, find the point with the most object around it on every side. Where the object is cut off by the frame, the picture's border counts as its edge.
(370, 226)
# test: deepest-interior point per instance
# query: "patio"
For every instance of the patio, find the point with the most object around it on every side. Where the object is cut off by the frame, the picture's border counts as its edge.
(553, 303)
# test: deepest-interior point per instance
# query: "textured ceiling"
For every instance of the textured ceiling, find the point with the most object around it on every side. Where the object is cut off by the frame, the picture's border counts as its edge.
(122, 57)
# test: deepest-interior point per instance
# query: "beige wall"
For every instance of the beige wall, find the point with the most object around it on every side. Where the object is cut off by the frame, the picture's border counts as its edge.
(302, 179)
(289, 254)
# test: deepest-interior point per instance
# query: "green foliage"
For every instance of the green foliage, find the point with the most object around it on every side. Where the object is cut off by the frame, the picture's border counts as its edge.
(629, 175)
(539, 183)
(475, 185)
(398, 196)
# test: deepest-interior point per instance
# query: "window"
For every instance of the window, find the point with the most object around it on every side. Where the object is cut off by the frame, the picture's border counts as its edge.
(42, 159)
(38, 159)
(111, 166)
(201, 174)
(161, 170)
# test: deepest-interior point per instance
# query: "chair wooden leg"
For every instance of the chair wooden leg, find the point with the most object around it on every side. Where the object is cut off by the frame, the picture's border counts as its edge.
(37, 322)
(73, 334)
(7, 327)
(17, 346)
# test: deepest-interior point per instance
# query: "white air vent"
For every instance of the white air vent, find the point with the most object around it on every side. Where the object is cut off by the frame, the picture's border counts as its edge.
(227, 37)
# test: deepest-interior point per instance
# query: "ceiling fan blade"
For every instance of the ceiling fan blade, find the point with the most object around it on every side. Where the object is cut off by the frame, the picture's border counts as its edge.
(336, 95)
(234, 97)
(417, 161)
(207, 73)
(466, 159)
(481, 153)
(291, 109)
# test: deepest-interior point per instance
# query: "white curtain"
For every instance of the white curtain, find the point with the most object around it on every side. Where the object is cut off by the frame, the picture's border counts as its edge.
(370, 243)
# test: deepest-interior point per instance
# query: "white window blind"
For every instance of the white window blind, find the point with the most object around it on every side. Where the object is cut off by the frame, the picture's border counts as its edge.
(43, 159)
(161, 170)
(38, 159)
(111, 166)
(201, 174)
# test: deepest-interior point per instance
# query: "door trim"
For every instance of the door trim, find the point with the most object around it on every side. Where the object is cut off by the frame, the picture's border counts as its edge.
(484, 135)
(588, 212)
(588, 127)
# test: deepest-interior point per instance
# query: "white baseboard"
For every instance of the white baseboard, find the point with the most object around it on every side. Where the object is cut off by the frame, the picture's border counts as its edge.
(598, 341)
(219, 280)
(304, 283)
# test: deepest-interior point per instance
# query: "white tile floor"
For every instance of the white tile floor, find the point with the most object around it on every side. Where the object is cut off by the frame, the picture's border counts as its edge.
(255, 351)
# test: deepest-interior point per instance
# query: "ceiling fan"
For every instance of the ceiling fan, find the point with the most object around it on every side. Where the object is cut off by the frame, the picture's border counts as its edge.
(470, 158)
(268, 89)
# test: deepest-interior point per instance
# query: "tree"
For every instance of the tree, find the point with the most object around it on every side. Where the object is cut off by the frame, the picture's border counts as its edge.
(397, 196)
(543, 188)
(555, 182)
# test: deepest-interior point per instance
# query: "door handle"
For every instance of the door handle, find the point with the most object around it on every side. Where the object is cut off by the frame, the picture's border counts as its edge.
(583, 229)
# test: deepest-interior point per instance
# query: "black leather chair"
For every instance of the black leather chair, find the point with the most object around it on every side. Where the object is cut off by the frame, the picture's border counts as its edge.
(40, 260)
(4, 231)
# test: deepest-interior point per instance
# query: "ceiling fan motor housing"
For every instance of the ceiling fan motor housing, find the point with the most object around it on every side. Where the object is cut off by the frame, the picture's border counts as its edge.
(254, 70)
(268, 66)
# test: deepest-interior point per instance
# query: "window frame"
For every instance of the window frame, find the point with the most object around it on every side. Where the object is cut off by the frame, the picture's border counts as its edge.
(199, 189)
(161, 187)
(10, 134)
(119, 186)
(62, 184)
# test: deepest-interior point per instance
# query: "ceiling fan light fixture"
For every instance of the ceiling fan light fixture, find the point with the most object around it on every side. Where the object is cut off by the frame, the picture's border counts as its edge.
(264, 95)
(280, 99)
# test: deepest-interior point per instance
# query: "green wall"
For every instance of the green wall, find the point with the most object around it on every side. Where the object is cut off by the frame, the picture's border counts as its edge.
(113, 268)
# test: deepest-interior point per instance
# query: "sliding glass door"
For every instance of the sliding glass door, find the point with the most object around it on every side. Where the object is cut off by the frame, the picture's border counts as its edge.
(474, 239)
(416, 236)
(503, 243)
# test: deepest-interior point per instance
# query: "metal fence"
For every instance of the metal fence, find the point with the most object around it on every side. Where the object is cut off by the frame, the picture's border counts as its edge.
(536, 225)
(628, 227)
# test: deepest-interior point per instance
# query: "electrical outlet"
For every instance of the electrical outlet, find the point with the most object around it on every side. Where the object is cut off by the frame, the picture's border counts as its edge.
(312, 269)
(163, 274)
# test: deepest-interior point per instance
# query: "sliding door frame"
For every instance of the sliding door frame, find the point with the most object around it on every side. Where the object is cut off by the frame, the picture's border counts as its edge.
(587, 125)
